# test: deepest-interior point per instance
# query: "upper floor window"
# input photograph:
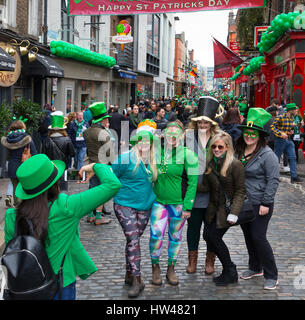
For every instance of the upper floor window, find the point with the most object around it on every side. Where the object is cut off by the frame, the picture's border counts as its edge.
(67, 24)
(153, 34)
(33, 18)
(94, 33)
(8, 13)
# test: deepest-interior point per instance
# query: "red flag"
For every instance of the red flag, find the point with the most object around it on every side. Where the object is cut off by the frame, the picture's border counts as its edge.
(224, 60)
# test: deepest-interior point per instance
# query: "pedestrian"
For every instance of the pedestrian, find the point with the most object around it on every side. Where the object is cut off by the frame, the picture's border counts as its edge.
(262, 180)
(296, 138)
(100, 149)
(78, 127)
(230, 122)
(160, 119)
(58, 145)
(271, 137)
(202, 128)
(116, 123)
(283, 129)
(56, 216)
(45, 121)
(134, 119)
(18, 142)
(136, 171)
(175, 190)
(71, 118)
(169, 114)
(224, 175)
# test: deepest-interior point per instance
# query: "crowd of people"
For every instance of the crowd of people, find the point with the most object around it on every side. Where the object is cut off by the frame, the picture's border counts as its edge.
(206, 160)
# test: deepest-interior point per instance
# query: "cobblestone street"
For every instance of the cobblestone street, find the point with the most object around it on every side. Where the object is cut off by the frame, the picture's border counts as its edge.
(106, 243)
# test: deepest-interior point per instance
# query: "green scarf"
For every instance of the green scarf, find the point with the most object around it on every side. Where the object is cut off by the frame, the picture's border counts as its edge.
(135, 119)
(79, 131)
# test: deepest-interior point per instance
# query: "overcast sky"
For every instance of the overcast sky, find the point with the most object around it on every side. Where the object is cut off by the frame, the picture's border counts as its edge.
(199, 27)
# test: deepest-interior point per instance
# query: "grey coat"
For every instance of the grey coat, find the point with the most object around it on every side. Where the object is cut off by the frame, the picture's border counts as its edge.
(262, 177)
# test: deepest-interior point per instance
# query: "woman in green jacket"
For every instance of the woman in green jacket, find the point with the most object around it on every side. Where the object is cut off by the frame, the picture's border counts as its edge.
(55, 216)
(175, 190)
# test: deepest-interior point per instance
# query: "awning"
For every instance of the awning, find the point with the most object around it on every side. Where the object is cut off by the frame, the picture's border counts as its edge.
(43, 66)
(126, 74)
(7, 63)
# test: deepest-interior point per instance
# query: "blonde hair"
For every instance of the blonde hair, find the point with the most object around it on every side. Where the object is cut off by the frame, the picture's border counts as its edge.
(152, 160)
(229, 157)
(214, 127)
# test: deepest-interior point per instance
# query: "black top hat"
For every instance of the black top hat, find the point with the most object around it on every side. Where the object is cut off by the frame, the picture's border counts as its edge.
(207, 109)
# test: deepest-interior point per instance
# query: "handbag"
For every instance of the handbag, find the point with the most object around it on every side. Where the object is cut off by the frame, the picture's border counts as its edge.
(26, 154)
(246, 214)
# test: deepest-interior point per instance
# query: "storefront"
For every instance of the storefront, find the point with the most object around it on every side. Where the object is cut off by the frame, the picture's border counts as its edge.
(282, 76)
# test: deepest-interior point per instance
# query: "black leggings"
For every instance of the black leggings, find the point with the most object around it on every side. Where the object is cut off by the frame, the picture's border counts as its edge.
(213, 237)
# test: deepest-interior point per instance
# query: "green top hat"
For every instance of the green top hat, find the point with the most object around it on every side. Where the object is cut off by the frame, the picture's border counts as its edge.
(257, 118)
(57, 121)
(36, 175)
(99, 111)
(291, 106)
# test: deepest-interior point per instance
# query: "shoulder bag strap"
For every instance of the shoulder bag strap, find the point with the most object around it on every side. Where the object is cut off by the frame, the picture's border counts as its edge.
(60, 277)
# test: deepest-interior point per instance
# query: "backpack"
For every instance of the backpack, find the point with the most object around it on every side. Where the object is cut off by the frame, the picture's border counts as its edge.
(28, 272)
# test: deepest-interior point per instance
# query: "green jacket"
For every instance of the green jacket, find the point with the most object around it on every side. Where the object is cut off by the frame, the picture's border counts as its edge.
(177, 178)
(63, 228)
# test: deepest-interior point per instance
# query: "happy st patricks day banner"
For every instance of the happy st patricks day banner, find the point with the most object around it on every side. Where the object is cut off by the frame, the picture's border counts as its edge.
(96, 7)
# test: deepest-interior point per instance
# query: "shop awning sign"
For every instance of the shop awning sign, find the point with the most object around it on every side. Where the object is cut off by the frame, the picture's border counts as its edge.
(117, 7)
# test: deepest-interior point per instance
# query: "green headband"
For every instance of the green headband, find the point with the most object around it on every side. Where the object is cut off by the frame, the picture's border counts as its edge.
(20, 118)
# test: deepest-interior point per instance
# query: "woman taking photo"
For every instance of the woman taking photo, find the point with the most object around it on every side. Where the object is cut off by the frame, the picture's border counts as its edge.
(224, 175)
(262, 180)
(201, 130)
(175, 189)
(136, 171)
(56, 216)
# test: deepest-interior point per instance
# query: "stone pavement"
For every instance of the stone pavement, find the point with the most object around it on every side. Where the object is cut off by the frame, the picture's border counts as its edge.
(105, 244)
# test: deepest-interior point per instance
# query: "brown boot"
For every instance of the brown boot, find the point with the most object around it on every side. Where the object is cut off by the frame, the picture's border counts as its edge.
(209, 262)
(171, 275)
(193, 255)
(156, 275)
(128, 278)
(136, 287)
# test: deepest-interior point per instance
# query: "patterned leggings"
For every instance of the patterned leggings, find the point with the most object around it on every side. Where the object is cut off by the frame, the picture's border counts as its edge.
(133, 223)
(160, 216)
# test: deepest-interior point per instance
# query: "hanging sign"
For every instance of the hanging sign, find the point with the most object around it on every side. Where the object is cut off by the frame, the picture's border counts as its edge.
(117, 7)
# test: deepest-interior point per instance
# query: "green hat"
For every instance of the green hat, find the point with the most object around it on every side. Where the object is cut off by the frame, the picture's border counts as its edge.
(291, 106)
(99, 111)
(145, 129)
(242, 108)
(257, 118)
(36, 175)
(57, 121)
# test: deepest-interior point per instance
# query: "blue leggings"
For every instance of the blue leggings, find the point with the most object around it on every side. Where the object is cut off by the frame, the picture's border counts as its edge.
(68, 293)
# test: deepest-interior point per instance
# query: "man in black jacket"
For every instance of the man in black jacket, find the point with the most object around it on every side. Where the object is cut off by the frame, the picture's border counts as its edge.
(115, 123)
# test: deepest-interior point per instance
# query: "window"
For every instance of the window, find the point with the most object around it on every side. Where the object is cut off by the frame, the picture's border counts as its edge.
(94, 33)
(8, 13)
(153, 34)
(67, 24)
(33, 17)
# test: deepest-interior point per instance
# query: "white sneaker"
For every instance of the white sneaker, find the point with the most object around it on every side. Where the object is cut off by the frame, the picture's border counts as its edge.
(286, 169)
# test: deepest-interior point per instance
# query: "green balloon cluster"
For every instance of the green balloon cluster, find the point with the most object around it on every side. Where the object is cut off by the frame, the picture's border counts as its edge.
(279, 25)
(68, 50)
(254, 65)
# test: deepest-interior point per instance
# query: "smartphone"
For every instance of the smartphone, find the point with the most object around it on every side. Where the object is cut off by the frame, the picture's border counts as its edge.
(73, 175)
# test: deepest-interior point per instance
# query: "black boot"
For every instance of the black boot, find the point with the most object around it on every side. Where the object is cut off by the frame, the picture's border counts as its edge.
(228, 275)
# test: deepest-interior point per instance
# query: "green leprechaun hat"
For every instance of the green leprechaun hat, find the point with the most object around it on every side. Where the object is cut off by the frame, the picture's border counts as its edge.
(257, 118)
(242, 108)
(99, 111)
(57, 121)
(291, 106)
(36, 175)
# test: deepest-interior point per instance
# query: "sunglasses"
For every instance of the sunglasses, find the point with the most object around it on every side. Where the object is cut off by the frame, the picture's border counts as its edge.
(251, 134)
(220, 147)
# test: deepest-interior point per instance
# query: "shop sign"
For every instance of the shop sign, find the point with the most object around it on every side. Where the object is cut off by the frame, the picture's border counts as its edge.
(119, 7)
(9, 78)
(122, 39)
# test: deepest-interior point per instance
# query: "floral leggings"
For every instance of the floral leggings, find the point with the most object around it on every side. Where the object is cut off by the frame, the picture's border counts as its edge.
(160, 216)
(133, 223)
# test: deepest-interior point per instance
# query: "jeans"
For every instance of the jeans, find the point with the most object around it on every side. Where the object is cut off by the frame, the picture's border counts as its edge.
(79, 157)
(213, 237)
(287, 146)
(260, 252)
(68, 293)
